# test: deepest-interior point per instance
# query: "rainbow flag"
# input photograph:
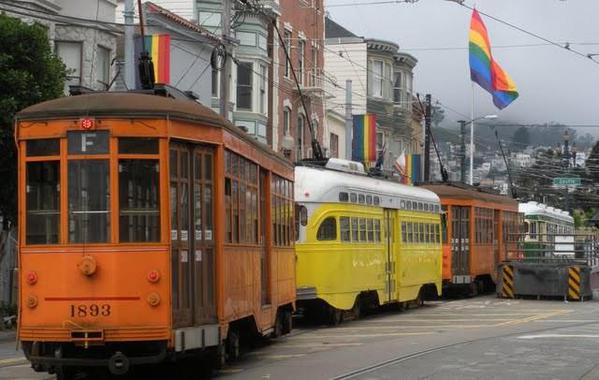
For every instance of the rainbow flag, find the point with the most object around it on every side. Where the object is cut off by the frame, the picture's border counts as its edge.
(409, 167)
(364, 140)
(484, 70)
(159, 47)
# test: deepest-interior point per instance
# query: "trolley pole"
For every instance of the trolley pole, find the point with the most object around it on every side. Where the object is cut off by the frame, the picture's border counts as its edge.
(427, 139)
(225, 71)
(462, 151)
(128, 14)
(349, 121)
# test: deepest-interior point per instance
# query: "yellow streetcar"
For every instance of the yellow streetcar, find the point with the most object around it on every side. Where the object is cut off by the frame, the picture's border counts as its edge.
(363, 241)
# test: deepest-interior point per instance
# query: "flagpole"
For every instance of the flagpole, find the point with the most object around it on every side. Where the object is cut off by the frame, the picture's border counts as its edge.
(472, 138)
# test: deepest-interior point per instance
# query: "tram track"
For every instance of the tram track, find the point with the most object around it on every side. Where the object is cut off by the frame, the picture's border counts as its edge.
(414, 355)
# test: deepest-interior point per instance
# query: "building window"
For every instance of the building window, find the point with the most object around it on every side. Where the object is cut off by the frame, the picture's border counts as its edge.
(377, 79)
(211, 21)
(288, 48)
(314, 73)
(301, 121)
(103, 68)
(70, 54)
(286, 121)
(263, 77)
(301, 51)
(334, 145)
(244, 85)
(380, 143)
(397, 88)
(262, 42)
(246, 38)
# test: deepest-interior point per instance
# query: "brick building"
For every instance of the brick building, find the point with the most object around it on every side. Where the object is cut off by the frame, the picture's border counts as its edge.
(301, 23)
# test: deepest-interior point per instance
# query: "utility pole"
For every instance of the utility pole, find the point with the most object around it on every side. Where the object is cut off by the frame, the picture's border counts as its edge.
(427, 139)
(462, 151)
(225, 71)
(128, 15)
(349, 121)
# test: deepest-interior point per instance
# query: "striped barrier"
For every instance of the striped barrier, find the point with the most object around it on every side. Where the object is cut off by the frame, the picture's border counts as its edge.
(507, 288)
(574, 283)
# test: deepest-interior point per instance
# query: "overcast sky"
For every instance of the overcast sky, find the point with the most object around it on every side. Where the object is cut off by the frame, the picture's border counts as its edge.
(555, 85)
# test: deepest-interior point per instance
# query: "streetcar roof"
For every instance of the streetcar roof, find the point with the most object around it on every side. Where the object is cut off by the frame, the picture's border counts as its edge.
(314, 184)
(135, 104)
(470, 193)
(534, 208)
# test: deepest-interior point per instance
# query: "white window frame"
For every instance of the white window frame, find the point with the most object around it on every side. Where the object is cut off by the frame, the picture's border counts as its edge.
(288, 36)
(262, 88)
(286, 121)
(73, 78)
(103, 71)
(301, 60)
(398, 89)
(378, 78)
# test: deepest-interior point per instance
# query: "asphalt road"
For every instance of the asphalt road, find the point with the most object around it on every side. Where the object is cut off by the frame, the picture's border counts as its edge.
(479, 338)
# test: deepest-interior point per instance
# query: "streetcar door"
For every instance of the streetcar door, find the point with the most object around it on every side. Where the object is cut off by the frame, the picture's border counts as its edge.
(179, 196)
(204, 307)
(460, 248)
(389, 241)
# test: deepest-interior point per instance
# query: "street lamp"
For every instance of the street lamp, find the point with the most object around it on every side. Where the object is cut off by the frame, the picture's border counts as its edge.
(488, 117)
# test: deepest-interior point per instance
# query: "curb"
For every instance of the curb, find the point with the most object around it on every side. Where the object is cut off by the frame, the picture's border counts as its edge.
(13, 362)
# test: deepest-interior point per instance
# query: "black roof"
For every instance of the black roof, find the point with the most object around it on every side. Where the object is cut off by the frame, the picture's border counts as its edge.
(334, 30)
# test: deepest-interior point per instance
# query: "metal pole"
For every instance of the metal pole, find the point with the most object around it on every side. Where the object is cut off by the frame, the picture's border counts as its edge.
(427, 139)
(128, 14)
(472, 138)
(463, 151)
(349, 122)
(225, 70)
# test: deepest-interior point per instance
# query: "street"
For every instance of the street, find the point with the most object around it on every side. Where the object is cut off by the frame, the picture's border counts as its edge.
(478, 338)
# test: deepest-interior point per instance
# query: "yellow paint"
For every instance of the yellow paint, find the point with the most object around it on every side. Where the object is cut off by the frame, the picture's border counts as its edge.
(340, 271)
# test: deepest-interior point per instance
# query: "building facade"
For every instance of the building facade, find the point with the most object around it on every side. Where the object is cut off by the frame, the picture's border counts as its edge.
(381, 83)
(301, 25)
(82, 33)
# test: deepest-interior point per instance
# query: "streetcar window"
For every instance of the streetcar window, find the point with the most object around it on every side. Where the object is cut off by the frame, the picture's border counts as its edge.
(402, 204)
(409, 234)
(377, 201)
(427, 233)
(301, 217)
(437, 237)
(43, 147)
(344, 226)
(408, 205)
(426, 207)
(361, 199)
(89, 201)
(420, 206)
(353, 197)
(327, 229)
(415, 206)
(87, 142)
(139, 201)
(377, 230)
(444, 224)
(343, 197)
(370, 229)
(369, 199)
(363, 229)
(42, 202)
(354, 229)
(421, 228)
(129, 145)
(403, 232)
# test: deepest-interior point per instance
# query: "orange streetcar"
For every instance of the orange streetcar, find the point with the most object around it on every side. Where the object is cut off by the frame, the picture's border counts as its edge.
(480, 230)
(150, 229)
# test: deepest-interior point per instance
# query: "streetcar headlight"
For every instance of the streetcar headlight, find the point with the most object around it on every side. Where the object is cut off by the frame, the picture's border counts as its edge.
(154, 276)
(31, 278)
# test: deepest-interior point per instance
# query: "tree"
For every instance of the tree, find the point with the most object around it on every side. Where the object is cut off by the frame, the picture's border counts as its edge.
(522, 137)
(437, 115)
(29, 73)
